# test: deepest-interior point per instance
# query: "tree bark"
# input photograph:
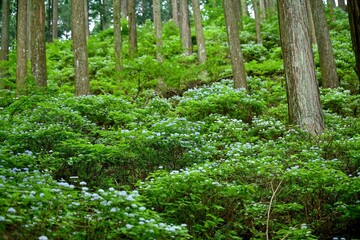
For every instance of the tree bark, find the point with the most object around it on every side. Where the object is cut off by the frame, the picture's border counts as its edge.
(327, 61)
(236, 55)
(28, 31)
(5, 32)
(185, 32)
(158, 28)
(354, 20)
(257, 22)
(301, 85)
(200, 39)
(311, 22)
(331, 4)
(21, 73)
(132, 28)
(124, 9)
(175, 11)
(117, 35)
(78, 31)
(244, 8)
(55, 20)
(38, 42)
(342, 4)
(86, 11)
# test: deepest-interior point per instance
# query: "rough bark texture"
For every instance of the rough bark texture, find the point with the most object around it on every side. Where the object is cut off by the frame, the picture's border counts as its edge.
(311, 22)
(301, 84)
(86, 10)
(55, 20)
(132, 28)
(21, 37)
(257, 22)
(5, 30)
(354, 19)
(185, 32)
(82, 82)
(117, 35)
(38, 42)
(200, 39)
(28, 31)
(124, 9)
(327, 61)
(236, 55)
(158, 28)
(175, 11)
(342, 5)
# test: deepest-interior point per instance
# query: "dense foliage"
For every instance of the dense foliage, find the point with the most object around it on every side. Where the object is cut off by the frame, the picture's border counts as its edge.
(173, 151)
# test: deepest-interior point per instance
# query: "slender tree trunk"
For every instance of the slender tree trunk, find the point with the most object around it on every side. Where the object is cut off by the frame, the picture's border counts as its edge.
(354, 19)
(117, 35)
(38, 42)
(311, 22)
(28, 31)
(158, 28)
(55, 20)
(331, 4)
(21, 73)
(86, 11)
(261, 9)
(327, 61)
(48, 18)
(175, 11)
(200, 39)
(185, 32)
(124, 9)
(132, 28)
(5, 31)
(244, 8)
(236, 55)
(257, 22)
(78, 31)
(104, 15)
(301, 84)
(342, 4)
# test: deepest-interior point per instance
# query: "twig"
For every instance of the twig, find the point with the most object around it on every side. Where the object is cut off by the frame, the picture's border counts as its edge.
(270, 204)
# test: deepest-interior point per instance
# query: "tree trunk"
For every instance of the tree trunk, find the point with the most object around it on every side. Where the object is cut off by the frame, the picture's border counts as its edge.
(262, 10)
(342, 4)
(132, 28)
(5, 31)
(244, 8)
(55, 20)
(236, 55)
(38, 42)
(354, 19)
(185, 32)
(331, 4)
(124, 9)
(257, 22)
(104, 22)
(175, 11)
(86, 11)
(28, 31)
(21, 38)
(158, 28)
(117, 35)
(311, 22)
(78, 31)
(327, 61)
(200, 39)
(301, 85)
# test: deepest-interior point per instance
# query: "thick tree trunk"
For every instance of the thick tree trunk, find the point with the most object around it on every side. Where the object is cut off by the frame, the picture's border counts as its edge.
(117, 35)
(132, 28)
(78, 31)
(21, 73)
(38, 42)
(55, 20)
(185, 32)
(5, 31)
(200, 39)
(175, 11)
(354, 19)
(158, 28)
(236, 55)
(311, 22)
(257, 22)
(301, 84)
(327, 61)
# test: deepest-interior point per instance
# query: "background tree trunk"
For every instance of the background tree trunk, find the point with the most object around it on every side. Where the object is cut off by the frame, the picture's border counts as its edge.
(158, 28)
(257, 22)
(55, 20)
(327, 61)
(185, 32)
(175, 11)
(132, 28)
(236, 55)
(301, 84)
(200, 39)
(331, 5)
(117, 35)
(86, 11)
(21, 73)
(311, 22)
(342, 4)
(78, 31)
(244, 8)
(354, 19)
(5, 33)
(38, 42)
(124, 9)
(28, 31)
